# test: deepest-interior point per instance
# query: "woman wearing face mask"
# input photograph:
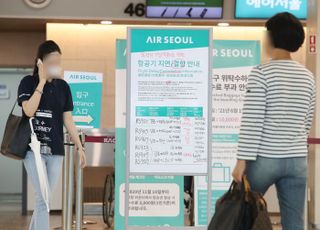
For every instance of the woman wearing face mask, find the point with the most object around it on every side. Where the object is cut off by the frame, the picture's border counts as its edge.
(47, 97)
(276, 120)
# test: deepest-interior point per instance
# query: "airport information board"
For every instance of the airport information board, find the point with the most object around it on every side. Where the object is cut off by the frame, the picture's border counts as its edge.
(169, 99)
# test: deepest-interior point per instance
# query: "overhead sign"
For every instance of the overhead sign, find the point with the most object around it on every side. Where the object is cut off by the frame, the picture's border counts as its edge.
(86, 89)
(203, 9)
(169, 96)
(233, 61)
(267, 8)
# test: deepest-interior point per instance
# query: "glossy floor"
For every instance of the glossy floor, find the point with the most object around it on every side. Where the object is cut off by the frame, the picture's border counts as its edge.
(11, 218)
(14, 221)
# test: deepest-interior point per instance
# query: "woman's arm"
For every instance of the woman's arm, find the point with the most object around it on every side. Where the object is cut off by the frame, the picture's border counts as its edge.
(253, 114)
(72, 130)
(310, 114)
(30, 106)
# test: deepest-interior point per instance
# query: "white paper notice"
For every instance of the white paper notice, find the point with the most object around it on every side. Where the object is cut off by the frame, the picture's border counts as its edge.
(169, 111)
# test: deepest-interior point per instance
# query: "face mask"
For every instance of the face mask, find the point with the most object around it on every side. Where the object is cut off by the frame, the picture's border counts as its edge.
(54, 72)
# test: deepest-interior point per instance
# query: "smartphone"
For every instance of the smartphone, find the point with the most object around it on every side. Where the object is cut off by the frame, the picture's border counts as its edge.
(39, 61)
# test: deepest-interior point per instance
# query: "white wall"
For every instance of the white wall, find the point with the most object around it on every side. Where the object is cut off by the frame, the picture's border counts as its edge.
(313, 64)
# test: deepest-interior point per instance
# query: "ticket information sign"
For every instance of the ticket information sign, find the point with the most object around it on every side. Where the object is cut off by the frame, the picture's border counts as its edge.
(233, 61)
(152, 196)
(169, 95)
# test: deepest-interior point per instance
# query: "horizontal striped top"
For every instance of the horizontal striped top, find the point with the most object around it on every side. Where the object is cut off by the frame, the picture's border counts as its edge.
(277, 112)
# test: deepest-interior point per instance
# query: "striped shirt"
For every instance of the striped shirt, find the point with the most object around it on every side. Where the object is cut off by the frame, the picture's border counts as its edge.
(277, 112)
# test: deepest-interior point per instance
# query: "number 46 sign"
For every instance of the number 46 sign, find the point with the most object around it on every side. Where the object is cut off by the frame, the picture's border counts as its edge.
(135, 9)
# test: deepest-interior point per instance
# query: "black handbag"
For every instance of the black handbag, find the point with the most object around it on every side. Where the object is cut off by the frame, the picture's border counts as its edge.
(232, 210)
(16, 137)
(239, 209)
(262, 222)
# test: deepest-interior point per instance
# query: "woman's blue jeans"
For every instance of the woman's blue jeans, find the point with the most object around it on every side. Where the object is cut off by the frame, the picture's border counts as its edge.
(290, 178)
(52, 164)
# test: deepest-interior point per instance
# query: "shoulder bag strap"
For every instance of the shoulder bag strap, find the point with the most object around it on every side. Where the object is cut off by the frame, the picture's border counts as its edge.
(14, 105)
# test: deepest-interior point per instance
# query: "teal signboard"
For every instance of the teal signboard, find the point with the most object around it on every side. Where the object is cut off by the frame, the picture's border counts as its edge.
(86, 89)
(233, 61)
(141, 214)
(170, 39)
(268, 8)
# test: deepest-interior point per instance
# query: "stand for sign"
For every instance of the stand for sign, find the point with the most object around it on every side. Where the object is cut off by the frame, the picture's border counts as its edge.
(208, 172)
(70, 171)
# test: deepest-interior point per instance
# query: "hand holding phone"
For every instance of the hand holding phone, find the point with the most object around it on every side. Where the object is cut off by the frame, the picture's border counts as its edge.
(41, 71)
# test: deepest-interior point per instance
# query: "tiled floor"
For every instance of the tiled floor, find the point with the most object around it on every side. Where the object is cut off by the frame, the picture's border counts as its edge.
(14, 221)
(11, 218)
(276, 223)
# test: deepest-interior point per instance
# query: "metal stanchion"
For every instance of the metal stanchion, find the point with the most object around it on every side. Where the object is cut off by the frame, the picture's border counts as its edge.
(70, 188)
(79, 221)
(65, 186)
(79, 191)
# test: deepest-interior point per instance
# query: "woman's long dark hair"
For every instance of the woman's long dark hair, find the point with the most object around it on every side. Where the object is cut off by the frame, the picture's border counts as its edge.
(45, 49)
